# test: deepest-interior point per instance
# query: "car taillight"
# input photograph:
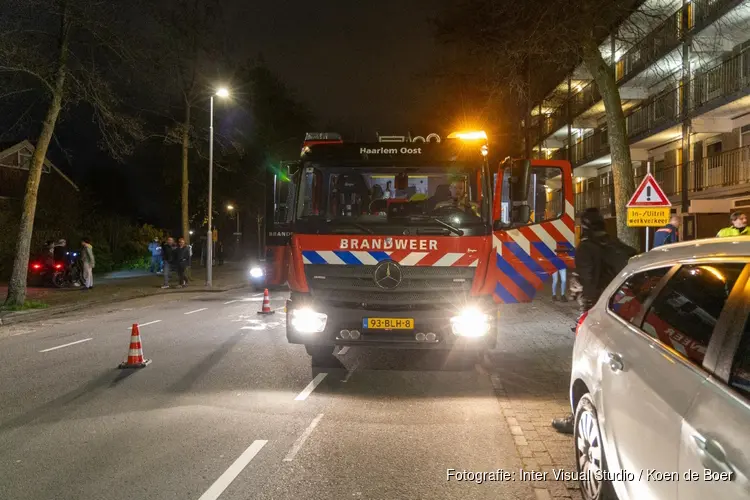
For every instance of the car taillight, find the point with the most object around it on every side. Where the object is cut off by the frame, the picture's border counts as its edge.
(58, 266)
(581, 319)
(36, 266)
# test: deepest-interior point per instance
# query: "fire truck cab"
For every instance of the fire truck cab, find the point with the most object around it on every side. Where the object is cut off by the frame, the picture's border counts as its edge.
(413, 244)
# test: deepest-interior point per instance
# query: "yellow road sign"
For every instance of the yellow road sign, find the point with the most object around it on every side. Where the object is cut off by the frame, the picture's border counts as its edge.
(648, 216)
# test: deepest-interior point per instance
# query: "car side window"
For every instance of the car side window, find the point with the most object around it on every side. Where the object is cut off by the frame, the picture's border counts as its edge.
(685, 313)
(627, 302)
(740, 376)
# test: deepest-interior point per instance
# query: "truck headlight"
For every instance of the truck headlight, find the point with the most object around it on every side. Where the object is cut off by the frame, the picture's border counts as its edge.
(256, 272)
(305, 320)
(471, 323)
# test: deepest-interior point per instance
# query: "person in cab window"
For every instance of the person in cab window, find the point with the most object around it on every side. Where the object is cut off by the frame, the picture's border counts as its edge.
(460, 199)
(668, 234)
(388, 193)
(738, 227)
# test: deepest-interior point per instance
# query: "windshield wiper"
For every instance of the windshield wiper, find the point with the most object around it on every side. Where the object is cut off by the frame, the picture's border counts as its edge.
(355, 224)
(447, 226)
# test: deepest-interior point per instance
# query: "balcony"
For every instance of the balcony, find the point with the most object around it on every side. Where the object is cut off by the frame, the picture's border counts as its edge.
(730, 169)
(668, 179)
(722, 81)
(658, 43)
(727, 169)
(662, 111)
(590, 147)
(665, 38)
(597, 194)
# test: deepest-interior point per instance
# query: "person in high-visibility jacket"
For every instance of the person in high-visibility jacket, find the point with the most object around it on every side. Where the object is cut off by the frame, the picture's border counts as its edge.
(738, 227)
(669, 233)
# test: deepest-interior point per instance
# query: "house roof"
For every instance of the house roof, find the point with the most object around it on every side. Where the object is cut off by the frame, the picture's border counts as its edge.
(9, 148)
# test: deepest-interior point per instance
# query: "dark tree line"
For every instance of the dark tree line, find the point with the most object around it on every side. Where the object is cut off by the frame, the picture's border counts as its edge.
(139, 75)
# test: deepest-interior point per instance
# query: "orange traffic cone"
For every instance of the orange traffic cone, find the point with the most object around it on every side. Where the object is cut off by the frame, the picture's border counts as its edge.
(135, 354)
(266, 309)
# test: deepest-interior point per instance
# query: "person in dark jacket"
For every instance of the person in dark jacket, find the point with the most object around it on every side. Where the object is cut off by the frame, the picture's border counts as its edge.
(599, 258)
(669, 233)
(169, 256)
(182, 259)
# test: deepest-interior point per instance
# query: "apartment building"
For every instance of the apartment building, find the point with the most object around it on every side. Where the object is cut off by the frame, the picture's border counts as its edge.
(683, 70)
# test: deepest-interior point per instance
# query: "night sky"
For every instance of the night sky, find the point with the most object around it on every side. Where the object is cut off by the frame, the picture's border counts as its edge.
(358, 65)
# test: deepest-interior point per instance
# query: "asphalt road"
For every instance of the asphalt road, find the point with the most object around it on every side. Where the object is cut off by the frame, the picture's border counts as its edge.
(227, 409)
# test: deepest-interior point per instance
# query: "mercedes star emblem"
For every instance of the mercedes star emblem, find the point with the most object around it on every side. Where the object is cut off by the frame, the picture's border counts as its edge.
(387, 275)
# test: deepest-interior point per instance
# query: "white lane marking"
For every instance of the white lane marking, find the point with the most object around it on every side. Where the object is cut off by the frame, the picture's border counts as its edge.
(350, 372)
(301, 440)
(280, 309)
(343, 350)
(197, 310)
(145, 324)
(233, 471)
(231, 301)
(310, 387)
(66, 345)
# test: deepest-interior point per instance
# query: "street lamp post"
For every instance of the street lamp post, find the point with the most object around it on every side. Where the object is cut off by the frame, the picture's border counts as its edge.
(222, 92)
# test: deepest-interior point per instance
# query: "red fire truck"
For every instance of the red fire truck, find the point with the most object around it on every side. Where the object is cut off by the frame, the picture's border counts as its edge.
(414, 244)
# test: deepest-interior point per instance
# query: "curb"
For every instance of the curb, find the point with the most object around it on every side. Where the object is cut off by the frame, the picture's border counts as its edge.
(16, 317)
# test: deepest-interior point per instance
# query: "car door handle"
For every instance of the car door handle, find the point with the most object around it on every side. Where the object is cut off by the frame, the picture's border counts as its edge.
(712, 455)
(615, 362)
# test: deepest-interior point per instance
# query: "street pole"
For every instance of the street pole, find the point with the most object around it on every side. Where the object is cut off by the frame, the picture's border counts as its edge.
(648, 172)
(210, 240)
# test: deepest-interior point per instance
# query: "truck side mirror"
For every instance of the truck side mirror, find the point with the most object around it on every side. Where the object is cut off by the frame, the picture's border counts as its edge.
(519, 180)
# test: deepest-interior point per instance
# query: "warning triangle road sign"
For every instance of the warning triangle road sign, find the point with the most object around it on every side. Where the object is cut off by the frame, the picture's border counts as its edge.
(649, 194)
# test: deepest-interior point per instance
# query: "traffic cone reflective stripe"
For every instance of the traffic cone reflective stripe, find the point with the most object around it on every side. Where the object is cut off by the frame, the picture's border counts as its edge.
(135, 352)
(266, 309)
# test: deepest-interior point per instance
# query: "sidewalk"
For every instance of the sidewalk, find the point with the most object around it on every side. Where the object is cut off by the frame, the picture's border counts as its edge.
(116, 287)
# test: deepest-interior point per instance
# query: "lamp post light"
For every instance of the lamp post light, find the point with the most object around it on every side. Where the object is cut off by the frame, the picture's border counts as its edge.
(223, 93)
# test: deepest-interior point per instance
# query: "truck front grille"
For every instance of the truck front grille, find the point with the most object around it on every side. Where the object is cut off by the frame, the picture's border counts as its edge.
(421, 286)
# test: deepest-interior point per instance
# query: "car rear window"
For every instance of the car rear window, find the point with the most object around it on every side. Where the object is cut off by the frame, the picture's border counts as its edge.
(685, 313)
(627, 302)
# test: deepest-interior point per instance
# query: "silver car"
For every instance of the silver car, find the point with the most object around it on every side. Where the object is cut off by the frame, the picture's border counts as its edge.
(660, 381)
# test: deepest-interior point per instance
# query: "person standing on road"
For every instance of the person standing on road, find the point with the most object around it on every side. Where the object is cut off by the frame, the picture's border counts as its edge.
(156, 256)
(182, 257)
(668, 234)
(89, 263)
(168, 256)
(738, 227)
(560, 275)
(599, 258)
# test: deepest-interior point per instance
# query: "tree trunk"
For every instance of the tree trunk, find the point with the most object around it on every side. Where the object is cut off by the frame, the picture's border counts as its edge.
(17, 285)
(622, 167)
(185, 179)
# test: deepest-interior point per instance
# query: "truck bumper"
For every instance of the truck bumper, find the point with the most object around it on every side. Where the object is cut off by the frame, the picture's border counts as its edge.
(426, 321)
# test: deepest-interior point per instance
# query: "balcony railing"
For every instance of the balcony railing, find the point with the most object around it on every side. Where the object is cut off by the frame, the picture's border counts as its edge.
(596, 195)
(659, 42)
(662, 110)
(591, 147)
(730, 168)
(655, 45)
(667, 177)
(720, 81)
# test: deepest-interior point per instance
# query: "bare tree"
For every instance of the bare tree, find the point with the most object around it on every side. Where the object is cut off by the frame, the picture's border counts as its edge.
(68, 51)
(526, 49)
(190, 35)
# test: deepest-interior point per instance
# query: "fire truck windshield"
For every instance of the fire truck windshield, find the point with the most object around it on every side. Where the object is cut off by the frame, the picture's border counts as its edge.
(378, 195)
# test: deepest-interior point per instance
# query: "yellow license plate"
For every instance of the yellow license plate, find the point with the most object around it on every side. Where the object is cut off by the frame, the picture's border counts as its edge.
(388, 323)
